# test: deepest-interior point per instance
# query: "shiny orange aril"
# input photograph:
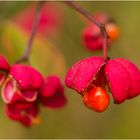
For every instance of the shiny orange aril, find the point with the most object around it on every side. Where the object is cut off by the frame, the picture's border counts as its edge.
(96, 99)
(112, 30)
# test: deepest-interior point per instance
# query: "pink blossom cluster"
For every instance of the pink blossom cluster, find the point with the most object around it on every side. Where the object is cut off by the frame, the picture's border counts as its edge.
(92, 77)
(24, 88)
(119, 76)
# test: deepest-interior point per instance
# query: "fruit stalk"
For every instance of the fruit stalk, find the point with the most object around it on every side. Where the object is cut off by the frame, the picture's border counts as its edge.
(25, 57)
(100, 25)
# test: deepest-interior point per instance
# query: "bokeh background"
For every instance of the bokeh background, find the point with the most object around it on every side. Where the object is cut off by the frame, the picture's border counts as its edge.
(54, 52)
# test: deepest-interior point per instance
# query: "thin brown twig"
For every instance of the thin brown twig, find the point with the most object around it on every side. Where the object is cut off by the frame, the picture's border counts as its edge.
(100, 25)
(25, 57)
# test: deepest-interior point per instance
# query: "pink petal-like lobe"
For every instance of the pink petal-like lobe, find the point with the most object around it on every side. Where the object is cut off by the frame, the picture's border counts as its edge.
(24, 115)
(37, 79)
(4, 69)
(4, 65)
(21, 75)
(118, 79)
(26, 77)
(134, 76)
(52, 93)
(11, 93)
(80, 76)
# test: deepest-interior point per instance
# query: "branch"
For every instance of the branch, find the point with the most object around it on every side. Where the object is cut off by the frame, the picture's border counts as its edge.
(101, 26)
(25, 57)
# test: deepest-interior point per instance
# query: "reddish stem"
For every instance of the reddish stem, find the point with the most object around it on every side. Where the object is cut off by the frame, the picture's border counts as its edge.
(105, 48)
(101, 26)
(25, 57)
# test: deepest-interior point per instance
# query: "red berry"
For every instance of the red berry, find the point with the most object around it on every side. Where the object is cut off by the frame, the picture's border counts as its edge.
(96, 99)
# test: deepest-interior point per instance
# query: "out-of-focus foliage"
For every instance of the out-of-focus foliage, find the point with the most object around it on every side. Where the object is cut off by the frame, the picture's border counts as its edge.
(75, 120)
(9, 9)
(51, 19)
(45, 56)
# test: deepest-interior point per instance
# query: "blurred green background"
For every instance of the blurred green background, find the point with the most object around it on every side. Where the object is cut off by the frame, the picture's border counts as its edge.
(75, 120)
